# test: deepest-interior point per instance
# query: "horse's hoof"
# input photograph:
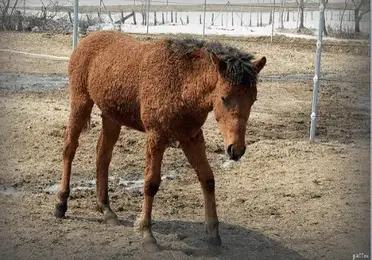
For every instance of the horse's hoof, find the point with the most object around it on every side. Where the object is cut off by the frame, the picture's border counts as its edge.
(151, 246)
(216, 240)
(112, 220)
(60, 210)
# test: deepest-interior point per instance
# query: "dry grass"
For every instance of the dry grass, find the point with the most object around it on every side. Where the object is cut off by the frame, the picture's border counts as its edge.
(16, 63)
(53, 44)
(300, 58)
(312, 199)
(286, 199)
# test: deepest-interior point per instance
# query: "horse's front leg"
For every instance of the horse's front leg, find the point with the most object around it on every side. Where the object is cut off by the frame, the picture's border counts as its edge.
(154, 155)
(194, 149)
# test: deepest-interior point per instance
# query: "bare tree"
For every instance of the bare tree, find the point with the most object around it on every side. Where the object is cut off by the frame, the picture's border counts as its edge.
(343, 13)
(48, 11)
(281, 14)
(6, 16)
(361, 8)
(325, 3)
(301, 8)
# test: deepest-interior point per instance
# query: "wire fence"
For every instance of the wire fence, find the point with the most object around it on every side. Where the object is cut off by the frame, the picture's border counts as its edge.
(224, 18)
(230, 18)
(221, 17)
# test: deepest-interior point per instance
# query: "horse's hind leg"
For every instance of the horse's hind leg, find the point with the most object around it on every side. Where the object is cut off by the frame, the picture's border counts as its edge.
(109, 135)
(79, 118)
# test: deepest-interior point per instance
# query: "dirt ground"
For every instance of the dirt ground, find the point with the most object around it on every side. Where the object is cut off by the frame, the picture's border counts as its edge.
(286, 199)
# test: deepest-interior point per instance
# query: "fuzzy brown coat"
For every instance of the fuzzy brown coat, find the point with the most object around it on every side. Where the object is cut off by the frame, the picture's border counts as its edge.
(166, 89)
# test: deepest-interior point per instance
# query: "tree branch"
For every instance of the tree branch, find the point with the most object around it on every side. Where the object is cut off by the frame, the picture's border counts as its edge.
(355, 6)
(364, 12)
(15, 4)
(2, 4)
(6, 7)
(42, 3)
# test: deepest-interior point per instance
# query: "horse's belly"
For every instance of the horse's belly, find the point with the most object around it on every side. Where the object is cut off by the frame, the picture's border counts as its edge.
(131, 120)
(117, 100)
(125, 115)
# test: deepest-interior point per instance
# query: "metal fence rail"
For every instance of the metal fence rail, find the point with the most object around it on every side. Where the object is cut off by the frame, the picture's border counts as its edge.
(203, 17)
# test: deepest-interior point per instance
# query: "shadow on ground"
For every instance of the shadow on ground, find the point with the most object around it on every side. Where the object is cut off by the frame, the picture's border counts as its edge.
(238, 243)
(187, 240)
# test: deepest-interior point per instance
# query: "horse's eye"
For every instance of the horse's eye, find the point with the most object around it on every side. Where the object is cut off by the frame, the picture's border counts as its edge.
(224, 100)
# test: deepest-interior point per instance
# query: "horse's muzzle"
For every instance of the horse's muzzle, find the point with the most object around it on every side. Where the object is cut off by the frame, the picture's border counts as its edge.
(234, 154)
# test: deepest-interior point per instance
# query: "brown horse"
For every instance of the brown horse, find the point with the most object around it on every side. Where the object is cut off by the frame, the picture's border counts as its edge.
(165, 88)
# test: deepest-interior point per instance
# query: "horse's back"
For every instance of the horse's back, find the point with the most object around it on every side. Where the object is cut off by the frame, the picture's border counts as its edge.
(92, 46)
(139, 84)
(105, 66)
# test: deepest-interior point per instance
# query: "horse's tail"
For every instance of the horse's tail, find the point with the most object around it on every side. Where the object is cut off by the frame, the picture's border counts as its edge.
(80, 99)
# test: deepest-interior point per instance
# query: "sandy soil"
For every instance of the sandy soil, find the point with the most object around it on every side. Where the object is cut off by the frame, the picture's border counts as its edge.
(286, 199)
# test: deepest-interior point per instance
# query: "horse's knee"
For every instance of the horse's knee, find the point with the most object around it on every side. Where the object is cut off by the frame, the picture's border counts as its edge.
(151, 188)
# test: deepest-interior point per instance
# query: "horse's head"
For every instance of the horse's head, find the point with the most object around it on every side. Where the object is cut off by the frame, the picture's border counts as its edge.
(234, 96)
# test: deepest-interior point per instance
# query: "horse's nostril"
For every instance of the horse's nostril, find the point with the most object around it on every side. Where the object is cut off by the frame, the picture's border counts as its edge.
(230, 150)
(243, 152)
(233, 154)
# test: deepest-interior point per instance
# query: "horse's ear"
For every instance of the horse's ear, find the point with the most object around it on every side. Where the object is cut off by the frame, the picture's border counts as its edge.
(211, 56)
(259, 64)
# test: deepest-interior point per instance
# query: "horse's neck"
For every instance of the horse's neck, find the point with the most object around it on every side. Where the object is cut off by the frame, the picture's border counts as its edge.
(200, 86)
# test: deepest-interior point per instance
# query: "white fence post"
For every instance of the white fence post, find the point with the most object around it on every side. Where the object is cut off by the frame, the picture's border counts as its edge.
(76, 24)
(99, 15)
(205, 10)
(317, 71)
(148, 17)
(272, 22)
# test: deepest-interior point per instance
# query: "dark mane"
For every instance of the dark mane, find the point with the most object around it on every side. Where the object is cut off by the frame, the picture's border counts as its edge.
(239, 69)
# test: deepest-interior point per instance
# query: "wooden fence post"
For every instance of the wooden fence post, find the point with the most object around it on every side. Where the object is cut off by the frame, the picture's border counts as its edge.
(70, 17)
(134, 17)
(260, 19)
(271, 16)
